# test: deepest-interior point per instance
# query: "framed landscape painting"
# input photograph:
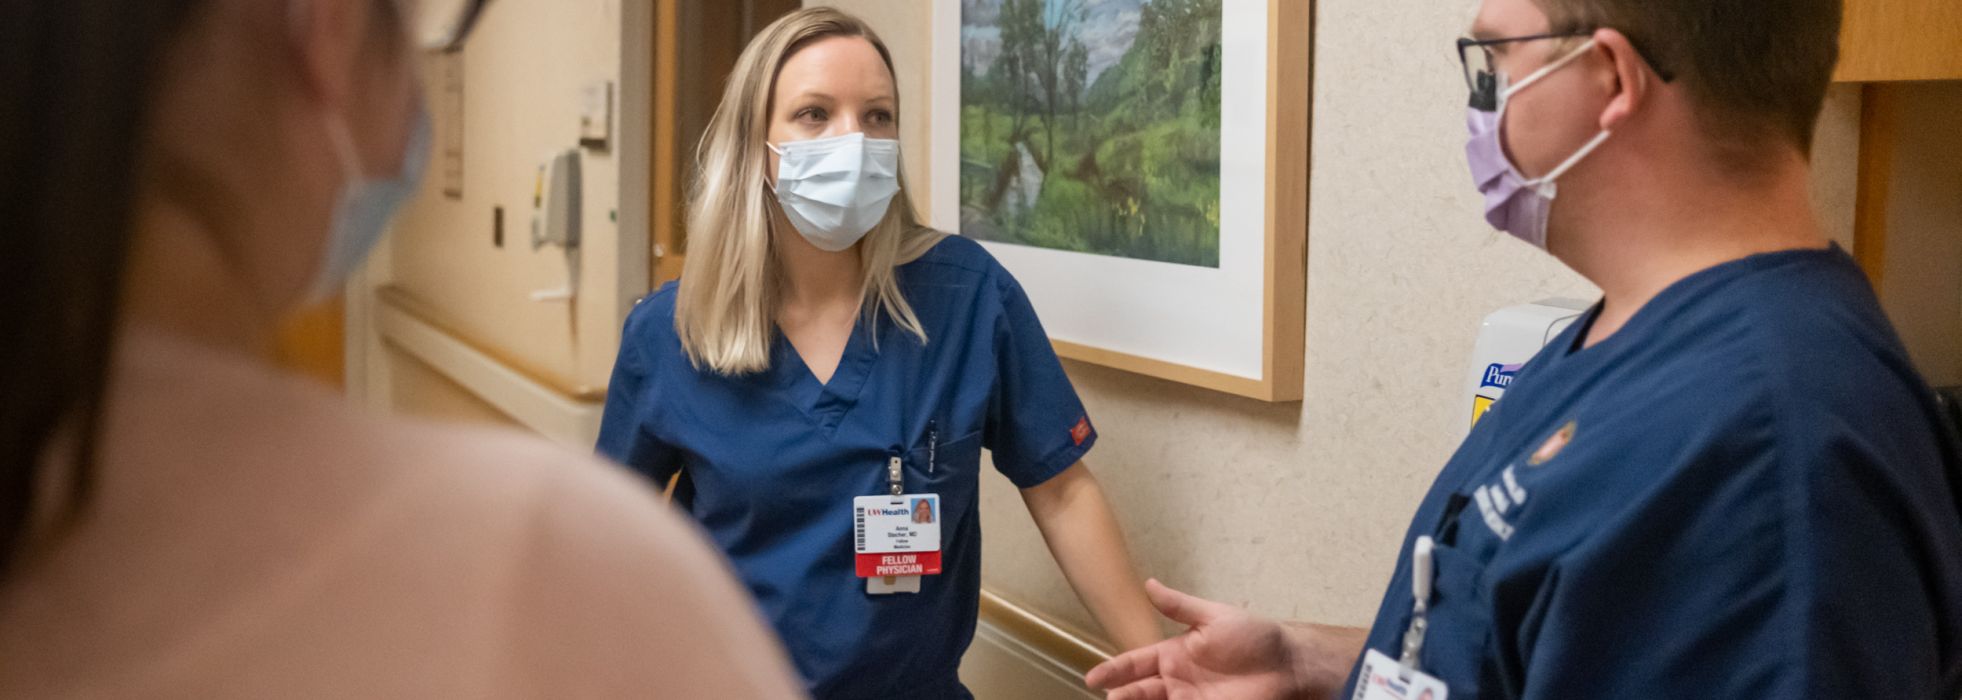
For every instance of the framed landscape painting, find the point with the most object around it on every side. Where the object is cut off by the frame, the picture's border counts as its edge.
(1141, 166)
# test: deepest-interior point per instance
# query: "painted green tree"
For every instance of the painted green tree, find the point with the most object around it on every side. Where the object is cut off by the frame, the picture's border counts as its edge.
(1093, 126)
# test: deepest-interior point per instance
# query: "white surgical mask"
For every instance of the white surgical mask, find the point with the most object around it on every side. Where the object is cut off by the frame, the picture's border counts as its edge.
(835, 190)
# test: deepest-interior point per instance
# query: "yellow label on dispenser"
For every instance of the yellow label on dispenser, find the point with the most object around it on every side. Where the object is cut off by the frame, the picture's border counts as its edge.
(1481, 404)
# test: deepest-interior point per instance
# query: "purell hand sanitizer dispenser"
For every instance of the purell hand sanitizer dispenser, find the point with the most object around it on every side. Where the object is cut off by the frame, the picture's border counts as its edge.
(555, 218)
(1508, 338)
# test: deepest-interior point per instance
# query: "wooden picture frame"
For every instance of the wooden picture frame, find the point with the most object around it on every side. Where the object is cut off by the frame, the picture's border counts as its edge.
(1269, 367)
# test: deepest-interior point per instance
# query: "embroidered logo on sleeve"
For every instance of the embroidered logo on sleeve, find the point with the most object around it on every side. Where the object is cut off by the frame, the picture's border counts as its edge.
(1497, 501)
(1554, 445)
(1081, 432)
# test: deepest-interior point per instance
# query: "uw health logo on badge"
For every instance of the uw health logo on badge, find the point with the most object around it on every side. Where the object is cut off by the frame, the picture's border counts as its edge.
(1554, 445)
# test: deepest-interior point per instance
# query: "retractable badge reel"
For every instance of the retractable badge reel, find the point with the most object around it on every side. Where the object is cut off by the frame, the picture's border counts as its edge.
(1384, 678)
(896, 537)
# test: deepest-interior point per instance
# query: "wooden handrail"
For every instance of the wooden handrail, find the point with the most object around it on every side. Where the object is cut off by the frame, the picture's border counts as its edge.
(400, 299)
(1066, 647)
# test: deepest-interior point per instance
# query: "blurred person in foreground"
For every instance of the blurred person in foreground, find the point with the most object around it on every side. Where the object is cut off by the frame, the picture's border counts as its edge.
(180, 519)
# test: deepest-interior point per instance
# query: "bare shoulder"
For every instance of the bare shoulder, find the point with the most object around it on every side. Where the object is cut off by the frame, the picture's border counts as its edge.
(673, 613)
(510, 560)
(607, 569)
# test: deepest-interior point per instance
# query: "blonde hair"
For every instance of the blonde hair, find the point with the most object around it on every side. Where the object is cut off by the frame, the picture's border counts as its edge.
(726, 309)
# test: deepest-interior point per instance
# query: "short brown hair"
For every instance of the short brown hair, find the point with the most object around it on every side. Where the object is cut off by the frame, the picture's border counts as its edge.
(1757, 69)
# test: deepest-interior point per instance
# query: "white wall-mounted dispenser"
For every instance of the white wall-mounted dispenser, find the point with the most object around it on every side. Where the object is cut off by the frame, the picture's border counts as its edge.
(555, 218)
(1506, 340)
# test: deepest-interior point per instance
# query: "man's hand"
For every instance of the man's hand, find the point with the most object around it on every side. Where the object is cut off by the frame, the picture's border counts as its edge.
(1228, 654)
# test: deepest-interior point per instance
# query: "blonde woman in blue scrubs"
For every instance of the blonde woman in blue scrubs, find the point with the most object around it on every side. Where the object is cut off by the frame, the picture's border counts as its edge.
(824, 355)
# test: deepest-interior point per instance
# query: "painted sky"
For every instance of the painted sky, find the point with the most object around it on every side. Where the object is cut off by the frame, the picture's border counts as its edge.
(1109, 28)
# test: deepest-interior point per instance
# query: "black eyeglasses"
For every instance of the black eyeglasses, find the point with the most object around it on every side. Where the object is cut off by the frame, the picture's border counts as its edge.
(1481, 68)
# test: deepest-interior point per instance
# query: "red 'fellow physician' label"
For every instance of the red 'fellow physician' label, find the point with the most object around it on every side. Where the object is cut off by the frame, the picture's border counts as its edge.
(900, 564)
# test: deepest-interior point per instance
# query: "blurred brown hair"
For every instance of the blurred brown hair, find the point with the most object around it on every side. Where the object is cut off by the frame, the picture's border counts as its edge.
(76, 82)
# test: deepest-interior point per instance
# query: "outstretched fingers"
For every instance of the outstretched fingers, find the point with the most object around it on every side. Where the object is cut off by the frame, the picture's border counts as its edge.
(1125, 669)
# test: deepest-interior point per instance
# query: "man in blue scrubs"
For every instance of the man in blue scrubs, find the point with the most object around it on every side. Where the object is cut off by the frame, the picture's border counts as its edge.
(1727, 480)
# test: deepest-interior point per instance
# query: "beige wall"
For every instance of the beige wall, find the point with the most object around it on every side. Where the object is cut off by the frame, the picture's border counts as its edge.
(1922, 283)
(1835, 163)
(524, 68)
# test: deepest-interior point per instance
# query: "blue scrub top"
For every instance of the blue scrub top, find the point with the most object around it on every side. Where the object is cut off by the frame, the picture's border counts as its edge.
(1746, 492)
(772, 461)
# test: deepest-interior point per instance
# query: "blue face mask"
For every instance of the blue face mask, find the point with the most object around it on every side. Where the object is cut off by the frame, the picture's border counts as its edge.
(367, 205)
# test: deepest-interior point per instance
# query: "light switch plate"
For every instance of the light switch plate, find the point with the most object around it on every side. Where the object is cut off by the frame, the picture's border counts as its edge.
(596, 116)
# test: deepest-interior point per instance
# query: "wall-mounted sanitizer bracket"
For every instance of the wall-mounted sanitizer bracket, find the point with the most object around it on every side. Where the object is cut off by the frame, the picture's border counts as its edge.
(555, 218)
(1508, 338)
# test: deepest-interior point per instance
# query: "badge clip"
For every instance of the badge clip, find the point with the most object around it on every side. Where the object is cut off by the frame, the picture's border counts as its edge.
(1422, 572)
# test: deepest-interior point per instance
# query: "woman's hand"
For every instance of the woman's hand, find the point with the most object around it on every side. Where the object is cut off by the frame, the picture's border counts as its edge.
(1230, 654)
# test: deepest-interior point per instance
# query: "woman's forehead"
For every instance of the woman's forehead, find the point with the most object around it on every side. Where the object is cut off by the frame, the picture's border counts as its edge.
(838, 67)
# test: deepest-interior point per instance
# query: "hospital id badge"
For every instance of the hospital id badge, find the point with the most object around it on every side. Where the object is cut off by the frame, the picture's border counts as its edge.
(1382, 678)
(897, 535)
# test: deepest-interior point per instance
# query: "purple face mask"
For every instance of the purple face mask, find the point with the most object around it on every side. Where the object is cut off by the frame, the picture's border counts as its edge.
(1515, 203)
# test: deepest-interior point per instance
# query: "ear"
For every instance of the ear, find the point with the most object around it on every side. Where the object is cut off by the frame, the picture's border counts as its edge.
(326, 36)
(1631, 77)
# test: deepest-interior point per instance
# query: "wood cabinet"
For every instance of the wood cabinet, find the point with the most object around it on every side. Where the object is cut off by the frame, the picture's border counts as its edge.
(1894, 40)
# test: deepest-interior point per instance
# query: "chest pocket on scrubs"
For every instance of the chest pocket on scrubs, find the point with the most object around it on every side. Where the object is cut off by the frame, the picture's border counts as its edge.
(1460, 621)
(948, 468)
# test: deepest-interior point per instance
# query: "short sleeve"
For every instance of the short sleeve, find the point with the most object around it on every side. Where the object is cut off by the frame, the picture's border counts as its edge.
(1037, 427)
(624, 437)
(1790, 576)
